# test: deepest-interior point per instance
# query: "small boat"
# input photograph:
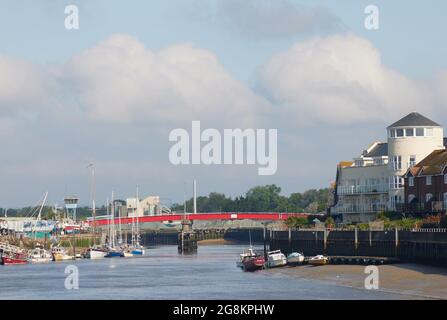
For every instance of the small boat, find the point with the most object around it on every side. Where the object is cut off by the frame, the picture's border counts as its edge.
(246, 254)
(60, 254)
(253, 263)
(114, 252)
(276, 259)
(10, 258)
(40, 255)
(318, 260)
(96, 252)
(295, 258)
(137, 250)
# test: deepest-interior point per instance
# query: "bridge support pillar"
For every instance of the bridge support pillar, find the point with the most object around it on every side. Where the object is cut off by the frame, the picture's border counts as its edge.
(187, 240)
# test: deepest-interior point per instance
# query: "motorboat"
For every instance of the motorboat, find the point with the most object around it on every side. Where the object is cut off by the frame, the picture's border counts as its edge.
(96, 253)
(276, 259)
(253, 263)
(40, 255)
(246, 254)
(295, 258)
(318, 260)
(60, 254)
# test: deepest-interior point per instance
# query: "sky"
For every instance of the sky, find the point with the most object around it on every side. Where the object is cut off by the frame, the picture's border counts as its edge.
(110, 92)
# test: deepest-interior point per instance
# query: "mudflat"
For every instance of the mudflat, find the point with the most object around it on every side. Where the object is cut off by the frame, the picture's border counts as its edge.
(411, 280)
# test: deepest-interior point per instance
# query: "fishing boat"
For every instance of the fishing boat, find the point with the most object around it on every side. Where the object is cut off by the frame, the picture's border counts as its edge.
(276, 259)
(40, 255)
(60, 254)
(318, 260)
(295, 258)
(10, 258)
(246, 254)
(253, 263)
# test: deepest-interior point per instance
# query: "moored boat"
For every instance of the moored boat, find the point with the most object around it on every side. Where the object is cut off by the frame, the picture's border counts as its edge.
(295, 258)
(96, 253)
(246, 254)
(318, 260)
(60, 254)
(11, 258)
(40, 255)
(137, 250)
(276, 259)
(253, 263)
(114, 253)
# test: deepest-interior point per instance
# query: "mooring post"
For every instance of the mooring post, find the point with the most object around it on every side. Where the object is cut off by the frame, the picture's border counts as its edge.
(265, 243)
(356, 238)
(370, 239)
(325, 239)
(396, 239)
(290, 240)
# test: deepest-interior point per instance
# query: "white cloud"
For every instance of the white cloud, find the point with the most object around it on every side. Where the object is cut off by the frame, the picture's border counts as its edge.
(338, 79)
(122, 81)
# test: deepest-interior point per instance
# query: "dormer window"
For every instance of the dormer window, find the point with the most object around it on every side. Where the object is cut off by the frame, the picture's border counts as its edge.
(411, 181)
(428, 181)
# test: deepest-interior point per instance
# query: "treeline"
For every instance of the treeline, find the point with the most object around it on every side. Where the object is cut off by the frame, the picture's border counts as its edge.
(260, 199)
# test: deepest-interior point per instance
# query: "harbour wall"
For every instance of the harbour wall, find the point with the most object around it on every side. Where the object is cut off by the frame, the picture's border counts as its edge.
(421, 247)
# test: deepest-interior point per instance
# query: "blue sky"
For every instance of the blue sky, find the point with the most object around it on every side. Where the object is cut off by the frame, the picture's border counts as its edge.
(408, 50)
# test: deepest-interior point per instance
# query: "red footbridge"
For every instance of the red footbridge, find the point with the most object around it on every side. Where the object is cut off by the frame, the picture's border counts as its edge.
(169, 218)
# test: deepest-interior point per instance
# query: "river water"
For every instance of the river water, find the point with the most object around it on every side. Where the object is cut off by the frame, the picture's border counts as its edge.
(164, 274)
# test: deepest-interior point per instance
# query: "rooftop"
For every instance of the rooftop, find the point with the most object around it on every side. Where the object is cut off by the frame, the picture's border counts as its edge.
(414, 119)
(432, 164)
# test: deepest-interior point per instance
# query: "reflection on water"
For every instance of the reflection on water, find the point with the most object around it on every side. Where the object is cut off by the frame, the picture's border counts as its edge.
(164, 274)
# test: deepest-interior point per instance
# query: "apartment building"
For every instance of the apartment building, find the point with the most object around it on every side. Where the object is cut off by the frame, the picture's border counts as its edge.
(374, 182)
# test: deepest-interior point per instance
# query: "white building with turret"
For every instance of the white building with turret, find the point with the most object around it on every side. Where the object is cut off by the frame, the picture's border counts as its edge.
(373, 182)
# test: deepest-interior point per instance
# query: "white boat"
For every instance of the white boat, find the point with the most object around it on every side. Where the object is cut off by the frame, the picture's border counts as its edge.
(96, 253)
(318, 260)
(60, 254)
(40, 255)
(276, 259)
(247, 253)
(295, 258)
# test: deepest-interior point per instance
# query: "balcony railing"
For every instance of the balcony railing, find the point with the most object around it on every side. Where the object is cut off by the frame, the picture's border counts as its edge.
(423, 207)
(380, 188)
(360, 208)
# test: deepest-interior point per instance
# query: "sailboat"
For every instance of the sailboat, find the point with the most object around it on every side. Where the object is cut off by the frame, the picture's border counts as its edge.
(112, 250)
(246, 253)
(39, 254)
(136, 247)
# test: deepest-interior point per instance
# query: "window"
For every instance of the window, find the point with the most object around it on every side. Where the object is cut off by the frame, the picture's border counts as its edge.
(411, 181)
(397, 162)
(428, 181)
(409, 132)
(397, 182)
(420, 132)
(412, 162)
(399, 132)
(428, 197)
(429, 132)
(445, 179)
(445, 200)
(392, 133)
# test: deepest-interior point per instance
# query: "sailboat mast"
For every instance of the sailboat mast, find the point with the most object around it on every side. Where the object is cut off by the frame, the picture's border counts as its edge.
(39, 217)
(113, 220)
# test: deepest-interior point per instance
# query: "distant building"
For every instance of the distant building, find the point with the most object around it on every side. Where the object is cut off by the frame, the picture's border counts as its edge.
(426, 185)
(373, 181)
(149, 206)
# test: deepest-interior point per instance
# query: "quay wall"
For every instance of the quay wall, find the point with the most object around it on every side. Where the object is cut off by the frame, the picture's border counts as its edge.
(421, 247)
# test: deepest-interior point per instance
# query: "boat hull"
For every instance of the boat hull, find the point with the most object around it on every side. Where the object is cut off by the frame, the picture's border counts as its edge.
(319, 262)
(138, 252)
(62, 257)
(11, 261)
(96, 254)
(253, 264)
(114, 254)
(277, 263)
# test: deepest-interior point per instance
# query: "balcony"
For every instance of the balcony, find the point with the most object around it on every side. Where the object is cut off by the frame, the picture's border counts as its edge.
(372, 208)
(370, 189)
